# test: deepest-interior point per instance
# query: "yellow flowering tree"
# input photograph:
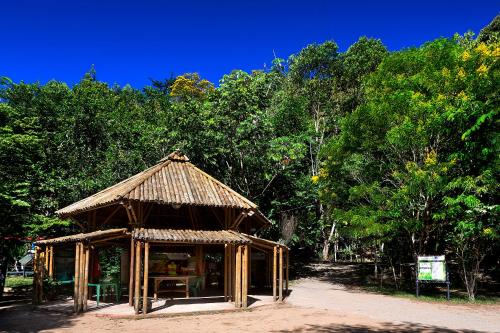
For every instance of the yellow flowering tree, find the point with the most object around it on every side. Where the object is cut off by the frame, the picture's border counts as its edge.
(419, 159)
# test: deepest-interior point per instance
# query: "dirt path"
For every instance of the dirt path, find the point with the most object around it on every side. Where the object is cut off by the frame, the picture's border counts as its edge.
(315, 305)
(317, 294)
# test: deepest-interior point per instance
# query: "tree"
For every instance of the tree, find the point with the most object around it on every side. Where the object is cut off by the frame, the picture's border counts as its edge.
(415, 159)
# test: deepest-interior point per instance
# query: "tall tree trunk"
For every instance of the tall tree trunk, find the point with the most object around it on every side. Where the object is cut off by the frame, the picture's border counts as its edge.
(326, 242)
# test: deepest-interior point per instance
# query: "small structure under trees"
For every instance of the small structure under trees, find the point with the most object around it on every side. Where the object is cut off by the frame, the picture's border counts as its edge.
(171, 207)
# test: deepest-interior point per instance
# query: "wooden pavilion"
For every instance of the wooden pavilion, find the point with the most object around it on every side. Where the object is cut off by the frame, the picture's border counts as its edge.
(170, 205)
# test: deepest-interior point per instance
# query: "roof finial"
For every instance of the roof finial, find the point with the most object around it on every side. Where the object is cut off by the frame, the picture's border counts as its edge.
(176, 156)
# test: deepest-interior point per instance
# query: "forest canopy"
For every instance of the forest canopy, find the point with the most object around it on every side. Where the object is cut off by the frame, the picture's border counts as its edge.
(394, 153)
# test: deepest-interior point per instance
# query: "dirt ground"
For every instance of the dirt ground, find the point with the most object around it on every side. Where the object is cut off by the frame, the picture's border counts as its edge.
(314, 305)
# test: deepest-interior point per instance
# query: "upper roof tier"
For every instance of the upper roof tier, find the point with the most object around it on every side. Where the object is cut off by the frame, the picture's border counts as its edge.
(174, 180)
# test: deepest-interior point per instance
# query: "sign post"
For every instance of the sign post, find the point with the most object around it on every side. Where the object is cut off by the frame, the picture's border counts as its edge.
(432, 269)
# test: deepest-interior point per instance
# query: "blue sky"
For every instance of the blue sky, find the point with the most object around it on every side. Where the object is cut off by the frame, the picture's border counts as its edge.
(133, 41)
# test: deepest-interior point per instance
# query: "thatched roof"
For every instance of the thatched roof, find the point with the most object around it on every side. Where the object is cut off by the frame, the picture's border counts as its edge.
(87, 237)
(190, 236)
(174, 180)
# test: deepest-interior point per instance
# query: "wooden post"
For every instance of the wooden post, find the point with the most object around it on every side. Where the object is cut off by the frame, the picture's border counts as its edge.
(274, 273)
(51, 262)
(146, 276)
(37, 278)
(233, 273)
(76, 277)
(81, 284)
(237, 301)
(86, 279)
(244, 276)
(137, 289)
(131, 274)
(281, 275)
(225, 272)
(46, 257)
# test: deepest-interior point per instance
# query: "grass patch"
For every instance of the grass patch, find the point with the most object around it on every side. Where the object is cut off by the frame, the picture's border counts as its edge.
(18, 281)
(456, 297)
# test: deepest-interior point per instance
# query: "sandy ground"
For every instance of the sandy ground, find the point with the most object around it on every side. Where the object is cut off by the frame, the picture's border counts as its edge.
(313, 306)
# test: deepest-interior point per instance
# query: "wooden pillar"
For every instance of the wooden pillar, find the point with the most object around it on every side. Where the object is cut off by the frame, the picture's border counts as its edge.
(225, 272)
(287, 270)
(244, 276)
(237, 301)
(37, 278)
(81, 284)
(131, 274)
(274, 272)
(233, 273)
(76, 279)
(137, 289)
(230, 275)
(146, 276)
(281, 275)
(86, 279)
(51, 262)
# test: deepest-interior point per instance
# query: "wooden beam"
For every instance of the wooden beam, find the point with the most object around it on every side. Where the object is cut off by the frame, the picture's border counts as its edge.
(131, 274)
(129, 216)
(107, 239)
(275, 259)
(146, 277)
(238, 220)
(86, 279)
(244, 276)
(137, 289)
(76, 278)
(281, 275)
(148, 212)
(217, 217)
(134, 216)
(237, 301)
(117, 208)
(191, 217)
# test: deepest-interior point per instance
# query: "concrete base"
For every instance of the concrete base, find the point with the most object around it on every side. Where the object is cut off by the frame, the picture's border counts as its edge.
(164, 306)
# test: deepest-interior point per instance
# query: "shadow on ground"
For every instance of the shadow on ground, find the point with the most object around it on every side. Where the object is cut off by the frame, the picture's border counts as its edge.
(21, 319)
(385, 327)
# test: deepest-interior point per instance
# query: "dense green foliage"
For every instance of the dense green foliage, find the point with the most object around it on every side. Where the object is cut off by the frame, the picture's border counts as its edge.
(395, 153)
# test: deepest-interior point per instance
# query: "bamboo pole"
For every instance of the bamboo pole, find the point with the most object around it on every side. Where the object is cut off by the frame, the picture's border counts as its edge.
(86, 279)
(225, 272)
(137, 289)
(51, 262)
(274, 273)
(237, 301)
(76, 279)
(230, 274)
(46, 257)
(233, 273)
(281, 275)
(81, 284)
(244, 277)
(131, 274)
(146, 276)
(37, 295)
